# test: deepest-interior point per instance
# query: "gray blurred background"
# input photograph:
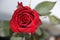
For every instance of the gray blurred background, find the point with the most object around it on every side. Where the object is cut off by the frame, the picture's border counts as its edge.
(7, 7)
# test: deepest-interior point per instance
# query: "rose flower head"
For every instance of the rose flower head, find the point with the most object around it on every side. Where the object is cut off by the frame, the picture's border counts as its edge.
(24, 19)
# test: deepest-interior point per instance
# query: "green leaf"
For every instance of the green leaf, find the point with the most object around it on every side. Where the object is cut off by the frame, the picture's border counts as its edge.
(43, 35)
(6, 28)
(44, 8)
(38, 31)
(54, 19)
(21, 34)
(16, 38)
(11, 32)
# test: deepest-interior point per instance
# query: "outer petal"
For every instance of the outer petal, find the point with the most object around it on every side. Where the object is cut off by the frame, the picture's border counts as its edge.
(37, 20)
(31, 29)
(26, 7)
(14, 26)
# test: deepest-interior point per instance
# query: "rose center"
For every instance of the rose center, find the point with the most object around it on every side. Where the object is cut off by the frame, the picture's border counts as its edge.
(25, 19)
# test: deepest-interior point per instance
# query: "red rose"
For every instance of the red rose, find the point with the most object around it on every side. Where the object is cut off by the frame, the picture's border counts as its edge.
(24, 20)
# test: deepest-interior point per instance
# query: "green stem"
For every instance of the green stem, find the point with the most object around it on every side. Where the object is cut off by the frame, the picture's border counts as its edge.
(27, 36)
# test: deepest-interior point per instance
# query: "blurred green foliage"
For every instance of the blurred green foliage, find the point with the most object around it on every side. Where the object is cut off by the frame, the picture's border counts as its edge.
(54, 19)
(6, 26)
